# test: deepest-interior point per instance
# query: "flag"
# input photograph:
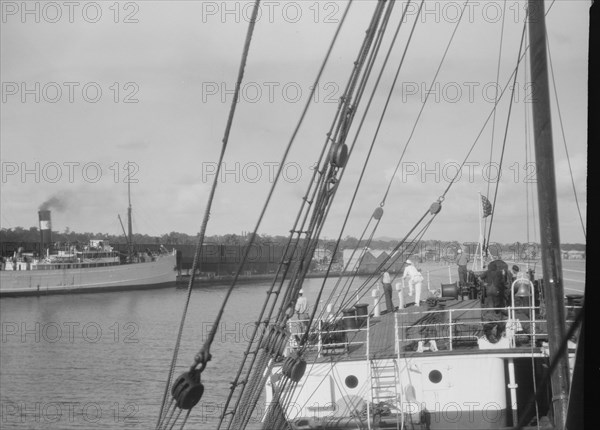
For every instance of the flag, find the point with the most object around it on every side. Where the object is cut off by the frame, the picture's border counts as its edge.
(487, 206)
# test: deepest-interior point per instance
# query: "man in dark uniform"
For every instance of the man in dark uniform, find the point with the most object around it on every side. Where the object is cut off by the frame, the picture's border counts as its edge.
(387, 291)
(461, 260)
(496, 278)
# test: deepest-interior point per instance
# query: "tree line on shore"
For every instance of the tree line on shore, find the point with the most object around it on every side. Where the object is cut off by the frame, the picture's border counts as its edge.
(32, 235)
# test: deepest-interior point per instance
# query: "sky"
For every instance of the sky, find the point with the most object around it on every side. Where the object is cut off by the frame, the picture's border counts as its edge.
(90, 88)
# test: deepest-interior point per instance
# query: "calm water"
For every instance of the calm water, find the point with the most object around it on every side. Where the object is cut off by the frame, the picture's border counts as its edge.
(99, 361)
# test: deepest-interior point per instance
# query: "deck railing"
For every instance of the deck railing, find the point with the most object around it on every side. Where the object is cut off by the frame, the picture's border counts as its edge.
(486, 328)
(330, 336)
(509, 327)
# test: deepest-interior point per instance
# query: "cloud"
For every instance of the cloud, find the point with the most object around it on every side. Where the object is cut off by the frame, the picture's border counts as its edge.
(176, 126)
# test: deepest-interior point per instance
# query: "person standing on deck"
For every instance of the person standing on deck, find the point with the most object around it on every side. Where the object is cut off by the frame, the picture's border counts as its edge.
(461, 260)
(415, 280)
(387, 292)
(513, 274)
(302, 310)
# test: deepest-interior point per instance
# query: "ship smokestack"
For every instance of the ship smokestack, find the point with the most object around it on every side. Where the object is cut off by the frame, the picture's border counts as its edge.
(45, 229)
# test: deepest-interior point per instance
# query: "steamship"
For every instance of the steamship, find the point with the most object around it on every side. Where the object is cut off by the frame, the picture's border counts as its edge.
(93, 267)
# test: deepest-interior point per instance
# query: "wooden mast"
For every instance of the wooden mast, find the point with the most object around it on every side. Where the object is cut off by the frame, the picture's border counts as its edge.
(549, 233)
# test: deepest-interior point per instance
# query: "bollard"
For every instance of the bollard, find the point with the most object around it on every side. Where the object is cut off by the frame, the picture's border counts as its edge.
(376, 308)
(400, 295)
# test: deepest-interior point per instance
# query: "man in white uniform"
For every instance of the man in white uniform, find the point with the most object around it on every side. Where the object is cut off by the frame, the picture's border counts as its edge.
(415, 280)
(302, 310)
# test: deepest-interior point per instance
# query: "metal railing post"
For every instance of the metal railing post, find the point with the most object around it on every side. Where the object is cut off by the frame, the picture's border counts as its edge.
(450, 340)
(320, 345)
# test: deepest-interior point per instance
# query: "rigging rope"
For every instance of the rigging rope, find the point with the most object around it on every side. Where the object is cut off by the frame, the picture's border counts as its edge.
(421, 236)
(310, 202)
(510, 105)
(383, 114)
(326, 190)
(353, 108)
(387, 191)
(491, 113)
(393, 257)
(526, 124)
(377, 82)
(206, 217)
(484, 124)
(453, 181)
(375, 137)
(368, 105)
(373, 141)
(529, 186)
(562, 129)
(414, 242)
(325, 61)
(496, 101)
(434, 80)
(395, 254)
(486, 242)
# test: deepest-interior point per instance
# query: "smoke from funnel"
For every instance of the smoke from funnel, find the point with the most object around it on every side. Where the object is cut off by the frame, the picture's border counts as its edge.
(56, 202)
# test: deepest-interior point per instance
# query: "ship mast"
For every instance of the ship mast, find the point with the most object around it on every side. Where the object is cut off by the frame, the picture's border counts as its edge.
(129, 227)
(549, 233)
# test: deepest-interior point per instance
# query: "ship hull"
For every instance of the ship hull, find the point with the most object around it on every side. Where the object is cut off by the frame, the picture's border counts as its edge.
(437, 368)
(153, 274)
(458, 392)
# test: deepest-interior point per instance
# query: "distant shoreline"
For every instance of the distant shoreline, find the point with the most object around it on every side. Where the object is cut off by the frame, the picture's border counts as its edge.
(442, 269)
(183, 281)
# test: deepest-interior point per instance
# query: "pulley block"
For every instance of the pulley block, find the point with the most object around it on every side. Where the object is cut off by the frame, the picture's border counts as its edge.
(338, 154)
(435, 208)
(187, 390)
(275, 340)
(294, 368)
(378, 213)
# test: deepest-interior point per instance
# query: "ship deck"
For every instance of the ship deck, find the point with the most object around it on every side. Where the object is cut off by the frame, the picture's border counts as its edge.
(456, 327)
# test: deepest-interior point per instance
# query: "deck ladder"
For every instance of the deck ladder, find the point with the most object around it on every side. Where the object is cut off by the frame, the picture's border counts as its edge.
(383, 378)
(384, 384)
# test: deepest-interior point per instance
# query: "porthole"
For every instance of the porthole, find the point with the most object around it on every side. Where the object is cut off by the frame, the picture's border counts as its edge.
(435, 376)
(351, 381)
